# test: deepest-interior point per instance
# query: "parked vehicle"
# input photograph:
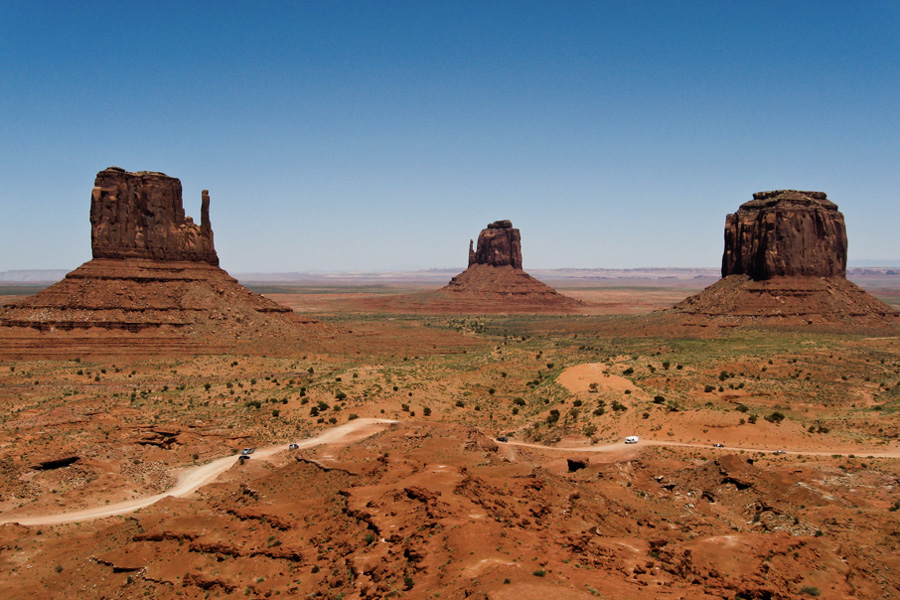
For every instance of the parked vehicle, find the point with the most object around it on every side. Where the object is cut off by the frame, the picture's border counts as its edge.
(293, 446)
(502, 438)
(718, 445)
(631, 439)
(247, 451)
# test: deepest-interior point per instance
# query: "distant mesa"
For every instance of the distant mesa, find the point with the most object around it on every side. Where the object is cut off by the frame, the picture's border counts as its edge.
(153, 286)
(495, 281)
(785, 262)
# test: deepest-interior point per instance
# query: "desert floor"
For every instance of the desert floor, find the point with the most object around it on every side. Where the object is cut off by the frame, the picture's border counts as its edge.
(120, 478)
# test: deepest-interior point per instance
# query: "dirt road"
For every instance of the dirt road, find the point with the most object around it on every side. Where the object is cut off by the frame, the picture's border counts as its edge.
(191, 479)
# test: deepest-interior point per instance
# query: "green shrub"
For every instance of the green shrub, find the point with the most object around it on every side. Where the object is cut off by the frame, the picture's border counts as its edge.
(775, 417)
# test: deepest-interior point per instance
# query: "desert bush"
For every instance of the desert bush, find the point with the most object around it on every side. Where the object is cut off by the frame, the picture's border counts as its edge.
(659, 400)
(709, 388)
(775, 417)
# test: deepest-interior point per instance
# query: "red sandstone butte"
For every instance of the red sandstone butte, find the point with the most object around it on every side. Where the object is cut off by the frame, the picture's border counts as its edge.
(785, 233)
(153, 286)
(784, 264)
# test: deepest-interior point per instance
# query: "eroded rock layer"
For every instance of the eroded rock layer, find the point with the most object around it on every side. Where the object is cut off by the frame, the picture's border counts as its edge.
(739, 299)
(785, 233)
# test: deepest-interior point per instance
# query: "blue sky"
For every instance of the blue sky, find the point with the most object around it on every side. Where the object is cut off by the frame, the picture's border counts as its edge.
(374, 135)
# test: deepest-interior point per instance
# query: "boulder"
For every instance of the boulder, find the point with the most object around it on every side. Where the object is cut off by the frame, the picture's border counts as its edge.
(785, 233)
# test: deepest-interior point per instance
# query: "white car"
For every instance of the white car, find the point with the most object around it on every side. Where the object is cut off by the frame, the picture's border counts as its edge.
(631, 439)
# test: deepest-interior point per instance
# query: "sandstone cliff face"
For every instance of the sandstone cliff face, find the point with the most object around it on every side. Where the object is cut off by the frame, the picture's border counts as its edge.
(785, 233)
(499, 245)
(140, 215)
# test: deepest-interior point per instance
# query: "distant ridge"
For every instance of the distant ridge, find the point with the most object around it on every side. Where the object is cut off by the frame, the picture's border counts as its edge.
(32, 275)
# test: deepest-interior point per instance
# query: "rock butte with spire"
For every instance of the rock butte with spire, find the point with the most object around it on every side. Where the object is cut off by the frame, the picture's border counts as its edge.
(153, 285)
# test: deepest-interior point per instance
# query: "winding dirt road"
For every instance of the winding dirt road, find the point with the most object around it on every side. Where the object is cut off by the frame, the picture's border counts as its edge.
(190, 480)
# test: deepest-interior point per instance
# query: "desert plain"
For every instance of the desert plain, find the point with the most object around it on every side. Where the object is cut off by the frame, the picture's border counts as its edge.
(401, 486)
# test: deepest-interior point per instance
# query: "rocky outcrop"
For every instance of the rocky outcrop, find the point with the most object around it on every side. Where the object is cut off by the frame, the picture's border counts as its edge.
(494, 280)
(499, 245)
(153, 286)
(140, 215)
(784, 264)
(785, 233)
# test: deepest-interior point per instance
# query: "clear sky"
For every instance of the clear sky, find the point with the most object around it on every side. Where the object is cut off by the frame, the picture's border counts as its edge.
(372, 135)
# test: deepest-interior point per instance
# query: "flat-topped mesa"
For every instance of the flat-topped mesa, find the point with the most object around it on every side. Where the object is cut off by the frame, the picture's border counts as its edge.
(785, 233)
(141, 215)
(499, 245)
